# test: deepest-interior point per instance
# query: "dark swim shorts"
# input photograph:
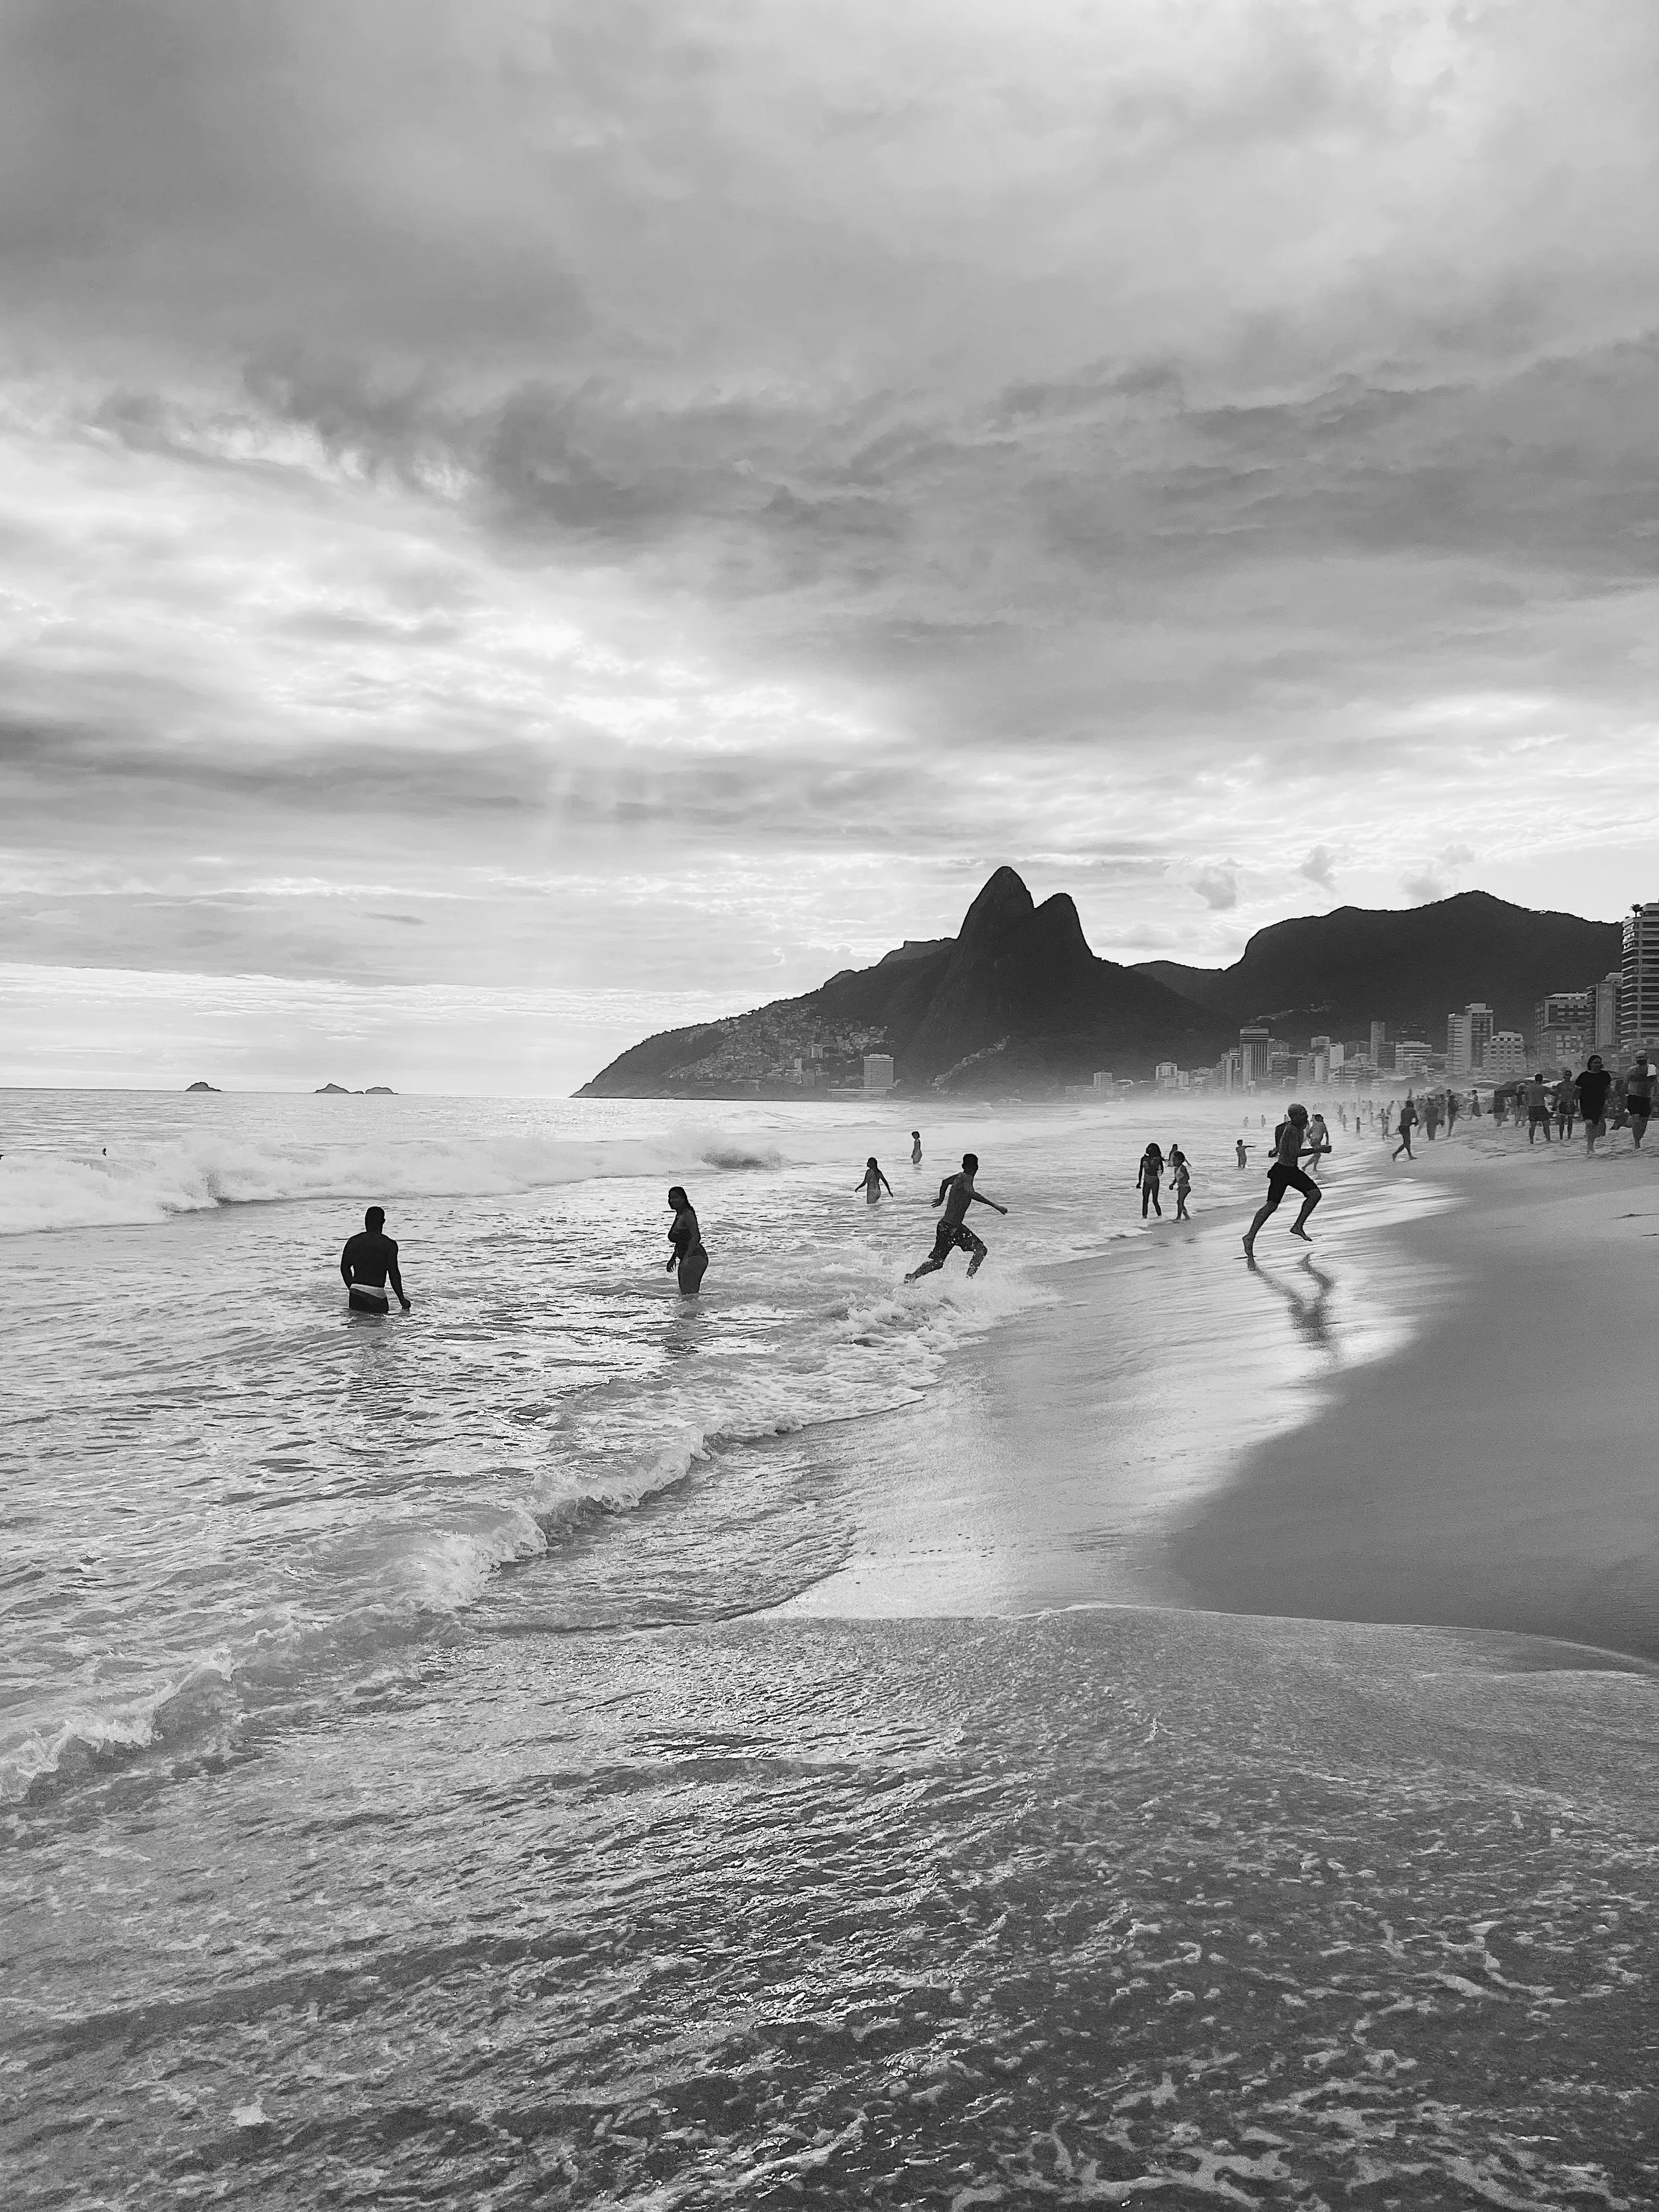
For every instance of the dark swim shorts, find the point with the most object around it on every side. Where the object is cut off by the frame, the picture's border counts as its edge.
(1279, 1180)
(955, 1236)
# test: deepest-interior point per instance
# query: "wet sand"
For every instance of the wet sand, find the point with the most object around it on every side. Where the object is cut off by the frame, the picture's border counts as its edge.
(1439, 1414)
(1500, 1470)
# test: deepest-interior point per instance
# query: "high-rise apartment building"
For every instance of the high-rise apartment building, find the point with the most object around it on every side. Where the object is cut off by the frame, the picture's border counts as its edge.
(878, 1070)
(1255, 1051)
(1506, 1055)
(1459, 1047)
(1607, 1013)
(1563, 1023)
(1379, 1037)
(1638, 979)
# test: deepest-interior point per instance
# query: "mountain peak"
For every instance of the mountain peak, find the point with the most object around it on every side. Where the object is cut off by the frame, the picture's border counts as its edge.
(1003, 903)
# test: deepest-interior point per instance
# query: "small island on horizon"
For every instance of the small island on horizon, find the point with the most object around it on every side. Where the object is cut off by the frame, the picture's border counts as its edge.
(340, 1090)
(199, 1085)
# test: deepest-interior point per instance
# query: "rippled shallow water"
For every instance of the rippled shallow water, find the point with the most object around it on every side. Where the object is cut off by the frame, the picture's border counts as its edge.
(1101, 1908)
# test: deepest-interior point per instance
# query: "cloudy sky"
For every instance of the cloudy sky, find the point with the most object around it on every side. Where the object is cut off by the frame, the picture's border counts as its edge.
(521, 524)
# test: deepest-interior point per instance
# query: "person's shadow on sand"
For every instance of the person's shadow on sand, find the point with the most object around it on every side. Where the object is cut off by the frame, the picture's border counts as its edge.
(1311, 1313)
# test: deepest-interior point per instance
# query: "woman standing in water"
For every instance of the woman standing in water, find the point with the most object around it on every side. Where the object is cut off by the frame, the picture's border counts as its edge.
(1147, 1178)
(872, 1182)
(686, 1237)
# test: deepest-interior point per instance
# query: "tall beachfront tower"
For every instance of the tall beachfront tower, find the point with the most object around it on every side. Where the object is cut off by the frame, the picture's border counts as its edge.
(1638, 979)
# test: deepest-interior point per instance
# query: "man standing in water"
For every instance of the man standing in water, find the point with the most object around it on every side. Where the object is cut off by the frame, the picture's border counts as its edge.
(955, 1194)
(368, 1262)
(1289, 1147)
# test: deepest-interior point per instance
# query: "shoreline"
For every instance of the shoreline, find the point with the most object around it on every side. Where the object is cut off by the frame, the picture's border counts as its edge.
(1497, 1472)
(1434, 1417)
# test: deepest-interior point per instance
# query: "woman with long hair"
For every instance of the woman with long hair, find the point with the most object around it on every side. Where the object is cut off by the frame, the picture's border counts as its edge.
(686, 1237)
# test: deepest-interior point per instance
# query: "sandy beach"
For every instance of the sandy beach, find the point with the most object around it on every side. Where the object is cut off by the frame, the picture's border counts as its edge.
(1499, 1471)
(1438, 1414)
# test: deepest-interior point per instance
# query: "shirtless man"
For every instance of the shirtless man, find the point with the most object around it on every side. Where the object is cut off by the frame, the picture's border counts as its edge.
(955, 1194)
(368, 1263)
(1291, 1147)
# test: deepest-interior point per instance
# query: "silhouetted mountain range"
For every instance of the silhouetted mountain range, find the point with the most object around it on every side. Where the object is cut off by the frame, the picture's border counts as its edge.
(1018, 1002)
(1339, 972)
(1015, 1001)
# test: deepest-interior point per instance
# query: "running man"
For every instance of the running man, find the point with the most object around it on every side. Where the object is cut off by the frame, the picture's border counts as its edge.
(872, 1182)
(368, 1262)
(1407, 1122)
(1638, 1098)
(955, 1194)
(1289, 1147)
(1594, 1086)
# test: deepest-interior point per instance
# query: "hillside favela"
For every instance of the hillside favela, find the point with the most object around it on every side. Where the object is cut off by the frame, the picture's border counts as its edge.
(1466, 991)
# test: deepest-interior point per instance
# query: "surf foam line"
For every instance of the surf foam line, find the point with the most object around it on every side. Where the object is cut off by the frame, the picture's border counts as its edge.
(429, 1575)
(44, 1190)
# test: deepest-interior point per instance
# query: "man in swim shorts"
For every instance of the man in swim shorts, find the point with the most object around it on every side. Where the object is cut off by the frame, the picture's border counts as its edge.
(955, 1194)
(1290, 1147)
(368, 1262)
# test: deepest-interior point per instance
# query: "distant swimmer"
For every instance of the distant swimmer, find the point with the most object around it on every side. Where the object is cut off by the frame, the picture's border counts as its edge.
(1405, 1124)
(915, 1148)
(368, 1263)
(1290, 1145)
(686, 1237)
(1181, 1179)
(873, 1183)
(1148, 1175)
(955, 1194)
(1594, 1086)
(1638, 1098)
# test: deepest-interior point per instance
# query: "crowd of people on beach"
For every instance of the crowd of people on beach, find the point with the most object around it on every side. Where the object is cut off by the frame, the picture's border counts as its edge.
(1597, 1099)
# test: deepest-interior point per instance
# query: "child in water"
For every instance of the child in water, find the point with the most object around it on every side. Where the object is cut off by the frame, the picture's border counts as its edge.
(1181, 1177)
(1148, 1175)
(873, 1183)
(1243, 1152)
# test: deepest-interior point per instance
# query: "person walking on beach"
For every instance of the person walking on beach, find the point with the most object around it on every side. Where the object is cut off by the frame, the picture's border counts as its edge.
(1538, 1109)
(1290, 1147)
(872, 1182)
(368, 1263)
(1594, 1086)
(1566, 1105)
(915, 1148)
(1638, 1098)
(1320, 1137)
(1181, 1178)
(1452, 1111)
(1407, 1123)
(687, 1256)
(955, 1194)
(1148, 1175)
(1430, 1116)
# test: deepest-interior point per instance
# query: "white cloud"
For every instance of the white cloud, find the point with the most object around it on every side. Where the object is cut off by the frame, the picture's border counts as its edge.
(794, 463)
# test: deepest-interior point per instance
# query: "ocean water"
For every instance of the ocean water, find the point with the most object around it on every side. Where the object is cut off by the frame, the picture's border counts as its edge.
(422, 1786)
